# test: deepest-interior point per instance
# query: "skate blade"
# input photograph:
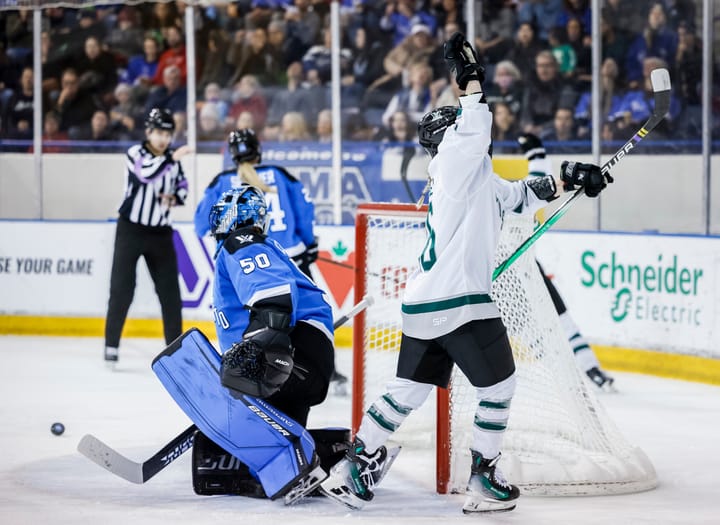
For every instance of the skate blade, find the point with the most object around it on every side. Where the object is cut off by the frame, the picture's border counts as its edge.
(343, 496)
(305, 486)
(487, 506)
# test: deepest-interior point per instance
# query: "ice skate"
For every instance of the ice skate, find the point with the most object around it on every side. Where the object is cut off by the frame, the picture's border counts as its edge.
(487, 489)
(352, 479)
(111, 357)
(601, 379)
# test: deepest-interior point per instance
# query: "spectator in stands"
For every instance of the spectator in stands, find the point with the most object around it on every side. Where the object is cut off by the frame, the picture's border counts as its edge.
(18, 35)
(545, 92)
(416, 47)
(581, 43)
(52, 133)
(562, 51)
(366, 66)
(279, 46)
(171, 95)
(610, 98)
(505, 125)
(125, 40)
(615, 42)
(563, 127)
(400, 128)
(540, 14)
(293, 127)
(318, 58)
(323, 128)
(525, 49)
(141, 68)
(495, 30)
(637, 105)
(212, 94)
(506, 87)
(17, 117)
(576, 10)
(210, 127)
(174, 55)
(87, 26)
(75, 105)
(687, 78)
(416, 99)
(255, 57)
(626, 17)
(302, 29)
(260, 14)
(247, 96)
(401, 16)
(97, 71)
(163, 15)
(245, 120)
(126, 115)
(448, 12)
(214, 66)
(656, 40)
(294, 97)
(98, 130)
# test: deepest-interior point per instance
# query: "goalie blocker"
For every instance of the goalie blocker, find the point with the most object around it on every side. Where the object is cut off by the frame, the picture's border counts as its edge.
(217, 472)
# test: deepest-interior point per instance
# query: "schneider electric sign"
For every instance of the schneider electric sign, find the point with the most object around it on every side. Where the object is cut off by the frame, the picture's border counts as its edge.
(661, 291)
(642, 291)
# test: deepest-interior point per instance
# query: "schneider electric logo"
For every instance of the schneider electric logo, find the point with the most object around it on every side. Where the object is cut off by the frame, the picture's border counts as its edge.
(664, 292)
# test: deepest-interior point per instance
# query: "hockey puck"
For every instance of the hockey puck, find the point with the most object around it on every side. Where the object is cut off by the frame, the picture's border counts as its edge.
(57, 429)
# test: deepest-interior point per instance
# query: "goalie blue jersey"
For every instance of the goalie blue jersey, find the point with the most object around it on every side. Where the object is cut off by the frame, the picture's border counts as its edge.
(291, 213)
(251, 268)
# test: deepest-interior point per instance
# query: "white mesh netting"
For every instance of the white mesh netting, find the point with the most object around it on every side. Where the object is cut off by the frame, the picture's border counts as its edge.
(560, 440)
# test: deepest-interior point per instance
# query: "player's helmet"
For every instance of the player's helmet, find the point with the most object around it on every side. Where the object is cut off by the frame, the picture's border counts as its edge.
(160, 119)
(244, 146)
(432, 126)
(237, 208)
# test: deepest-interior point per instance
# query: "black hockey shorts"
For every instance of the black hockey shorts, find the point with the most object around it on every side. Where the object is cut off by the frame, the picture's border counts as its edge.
(307, 386)
(480, 348)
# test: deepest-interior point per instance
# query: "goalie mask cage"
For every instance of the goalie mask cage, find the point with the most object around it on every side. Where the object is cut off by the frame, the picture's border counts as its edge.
(559, 440)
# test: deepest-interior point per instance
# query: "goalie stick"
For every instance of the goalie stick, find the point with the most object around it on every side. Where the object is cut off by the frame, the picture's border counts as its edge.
(660, 80)
(111, 460)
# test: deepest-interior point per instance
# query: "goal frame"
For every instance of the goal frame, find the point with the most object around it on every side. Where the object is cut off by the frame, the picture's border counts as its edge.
(442, 418)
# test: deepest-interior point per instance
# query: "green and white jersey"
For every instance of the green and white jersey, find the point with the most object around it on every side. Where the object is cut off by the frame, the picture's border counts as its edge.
(467, 201)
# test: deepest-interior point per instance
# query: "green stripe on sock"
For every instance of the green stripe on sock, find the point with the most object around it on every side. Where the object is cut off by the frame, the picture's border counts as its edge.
(375, 414)
(492, 426)
(400, 409)
(497, 405)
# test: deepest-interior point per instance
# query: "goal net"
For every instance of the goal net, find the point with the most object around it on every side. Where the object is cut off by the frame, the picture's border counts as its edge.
(559, 440)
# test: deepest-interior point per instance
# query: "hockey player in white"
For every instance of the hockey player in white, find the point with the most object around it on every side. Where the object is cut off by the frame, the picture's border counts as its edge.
(447, 312)
(539, 165)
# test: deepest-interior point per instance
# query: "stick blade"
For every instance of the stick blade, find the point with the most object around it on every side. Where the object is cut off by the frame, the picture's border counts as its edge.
(660, 80)
(104, 456)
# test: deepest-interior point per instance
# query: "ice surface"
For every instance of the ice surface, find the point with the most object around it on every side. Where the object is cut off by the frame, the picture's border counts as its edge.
(43, 480)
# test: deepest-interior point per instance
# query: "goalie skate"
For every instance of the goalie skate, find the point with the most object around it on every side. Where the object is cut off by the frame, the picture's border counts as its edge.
(306, 485)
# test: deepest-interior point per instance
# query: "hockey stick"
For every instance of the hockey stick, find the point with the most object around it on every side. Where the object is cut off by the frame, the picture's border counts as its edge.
(660, 80)
(111, 460)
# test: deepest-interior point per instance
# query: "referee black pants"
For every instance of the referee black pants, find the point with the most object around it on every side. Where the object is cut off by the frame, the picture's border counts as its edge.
(133, 241)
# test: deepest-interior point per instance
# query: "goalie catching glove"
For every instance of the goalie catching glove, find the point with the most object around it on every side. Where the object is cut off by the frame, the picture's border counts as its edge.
(463, 61)
(258, 365)
(587, 176)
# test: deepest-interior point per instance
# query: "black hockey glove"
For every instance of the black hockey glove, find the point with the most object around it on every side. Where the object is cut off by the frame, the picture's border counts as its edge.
(531, 146)
(581, 175)
(258, 365)
(312, 252)
(461, 59)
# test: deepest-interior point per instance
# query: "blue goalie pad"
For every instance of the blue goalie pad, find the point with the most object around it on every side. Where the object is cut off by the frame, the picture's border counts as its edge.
(275, 447)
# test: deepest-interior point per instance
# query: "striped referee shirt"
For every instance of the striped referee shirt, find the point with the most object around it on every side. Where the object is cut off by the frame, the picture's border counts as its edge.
(149, 176)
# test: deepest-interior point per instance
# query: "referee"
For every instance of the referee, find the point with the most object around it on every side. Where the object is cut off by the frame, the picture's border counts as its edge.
(154, 183)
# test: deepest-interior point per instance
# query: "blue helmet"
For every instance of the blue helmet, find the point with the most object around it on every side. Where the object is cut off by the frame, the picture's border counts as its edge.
(238, 208)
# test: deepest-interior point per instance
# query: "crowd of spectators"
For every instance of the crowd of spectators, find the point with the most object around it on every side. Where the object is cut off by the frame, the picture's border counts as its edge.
(265, 64)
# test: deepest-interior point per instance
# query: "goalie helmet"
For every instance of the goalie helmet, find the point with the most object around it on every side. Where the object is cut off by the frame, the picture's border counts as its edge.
(244, 146)
(431, 128)
(238, 208)
(160, 119)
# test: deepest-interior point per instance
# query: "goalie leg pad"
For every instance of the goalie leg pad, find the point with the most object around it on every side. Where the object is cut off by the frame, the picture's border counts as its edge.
(274, 446)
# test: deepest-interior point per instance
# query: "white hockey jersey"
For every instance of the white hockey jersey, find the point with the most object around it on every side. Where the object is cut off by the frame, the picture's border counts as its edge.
(466, 207)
